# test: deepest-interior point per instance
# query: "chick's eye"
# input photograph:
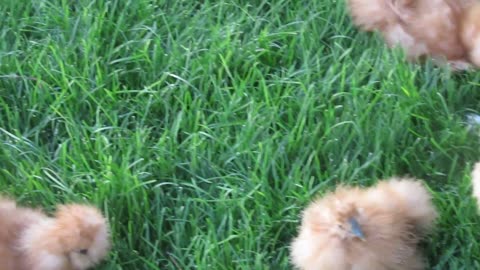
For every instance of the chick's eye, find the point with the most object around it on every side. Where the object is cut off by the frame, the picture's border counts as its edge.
(83, 251)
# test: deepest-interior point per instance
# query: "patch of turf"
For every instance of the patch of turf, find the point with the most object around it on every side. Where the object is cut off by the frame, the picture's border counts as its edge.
(202, 128)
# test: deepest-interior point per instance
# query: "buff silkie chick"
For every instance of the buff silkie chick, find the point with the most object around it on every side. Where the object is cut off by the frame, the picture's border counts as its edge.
(470, 33)
(363, 229)
(476, 182)
(422, 28)
(76, 238)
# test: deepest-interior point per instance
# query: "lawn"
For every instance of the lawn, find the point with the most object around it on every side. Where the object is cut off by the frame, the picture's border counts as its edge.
(203, 128)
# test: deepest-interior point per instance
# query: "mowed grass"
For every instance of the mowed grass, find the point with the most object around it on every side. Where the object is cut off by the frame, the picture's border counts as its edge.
(203, 128)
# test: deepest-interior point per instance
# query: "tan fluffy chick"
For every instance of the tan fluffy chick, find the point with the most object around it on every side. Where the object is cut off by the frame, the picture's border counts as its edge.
(364, 229)
(76, 238)
(476, 182)
(423, 28)
(470, 33)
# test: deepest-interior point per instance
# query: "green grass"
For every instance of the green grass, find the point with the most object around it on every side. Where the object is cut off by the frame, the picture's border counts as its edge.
(202, 128)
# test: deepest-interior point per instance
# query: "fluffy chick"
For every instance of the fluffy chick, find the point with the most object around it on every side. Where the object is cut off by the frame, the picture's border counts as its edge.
(476, 182)
(470, 33)
(423, 28)
(76, 238)
(375, 228)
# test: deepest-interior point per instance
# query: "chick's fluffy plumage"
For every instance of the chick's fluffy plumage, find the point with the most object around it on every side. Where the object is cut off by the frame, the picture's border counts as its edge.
(393, 216)
(444, 30)
(76, 238)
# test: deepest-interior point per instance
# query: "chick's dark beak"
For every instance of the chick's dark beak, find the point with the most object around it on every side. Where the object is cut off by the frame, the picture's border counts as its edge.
(355, 228)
